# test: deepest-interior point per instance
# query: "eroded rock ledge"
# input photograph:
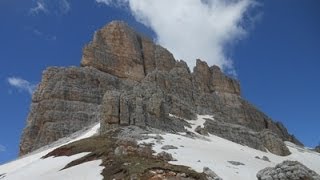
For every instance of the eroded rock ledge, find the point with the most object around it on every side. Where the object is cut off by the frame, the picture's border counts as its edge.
(126, 79)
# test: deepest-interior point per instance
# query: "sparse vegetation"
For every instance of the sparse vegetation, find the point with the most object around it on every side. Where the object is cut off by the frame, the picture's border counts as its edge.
(134, 161)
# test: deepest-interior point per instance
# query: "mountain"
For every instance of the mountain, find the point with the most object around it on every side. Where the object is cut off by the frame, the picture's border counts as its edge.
(156, 118)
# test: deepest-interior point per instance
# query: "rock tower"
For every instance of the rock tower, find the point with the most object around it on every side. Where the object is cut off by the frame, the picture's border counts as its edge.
(126, 79)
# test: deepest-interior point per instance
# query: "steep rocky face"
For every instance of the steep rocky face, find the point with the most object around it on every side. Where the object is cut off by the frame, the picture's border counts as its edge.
(126, 79)
(211, 79)
(118, 50)
(66, 100)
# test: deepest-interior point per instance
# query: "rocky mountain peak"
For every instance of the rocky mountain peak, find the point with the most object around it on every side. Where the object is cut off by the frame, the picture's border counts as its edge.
(115, 49)
(126, 79)
(118, 50)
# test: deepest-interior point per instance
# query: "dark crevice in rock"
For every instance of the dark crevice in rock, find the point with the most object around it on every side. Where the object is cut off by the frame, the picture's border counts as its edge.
(142, 54)
(266, 124)
(119, 109)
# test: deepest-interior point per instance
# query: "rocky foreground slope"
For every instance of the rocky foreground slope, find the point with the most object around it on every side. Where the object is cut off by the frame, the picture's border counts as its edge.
(130, 152)
(126, 79)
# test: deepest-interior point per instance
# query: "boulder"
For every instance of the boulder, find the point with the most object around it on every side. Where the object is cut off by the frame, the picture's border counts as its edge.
(273, 143)
(210, 174)
(288, 170)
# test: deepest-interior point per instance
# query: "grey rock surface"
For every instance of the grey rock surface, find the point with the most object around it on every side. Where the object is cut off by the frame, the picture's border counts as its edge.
(167, 147)
(165, 156)
(288, 170)
(265, 158)
(126, 79)
(202, 131)
(66, 100)
(273, 143)
(236, 163)
(210, 174)
(236, 133)
(144, 105)
(120, 151)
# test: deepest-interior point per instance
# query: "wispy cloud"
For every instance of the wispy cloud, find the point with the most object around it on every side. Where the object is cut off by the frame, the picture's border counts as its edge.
(43, 35)
(117, 3)
(56, 7)
(39, 8)
(193, 29)
(2, 148)
(107, 2)
(64, 6)
(21, 84)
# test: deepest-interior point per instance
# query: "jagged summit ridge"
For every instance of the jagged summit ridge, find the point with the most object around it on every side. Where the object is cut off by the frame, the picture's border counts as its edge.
(118, 50)
(126, 79)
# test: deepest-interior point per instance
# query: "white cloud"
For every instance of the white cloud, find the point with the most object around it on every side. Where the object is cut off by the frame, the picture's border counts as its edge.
(115, 3)
(40, 7)
(193, 29)
(2, 148)
(21, 84)
(107, 2)
(57, 7)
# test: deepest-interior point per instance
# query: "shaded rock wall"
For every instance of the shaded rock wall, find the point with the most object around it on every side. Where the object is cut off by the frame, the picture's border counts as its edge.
(66, 100)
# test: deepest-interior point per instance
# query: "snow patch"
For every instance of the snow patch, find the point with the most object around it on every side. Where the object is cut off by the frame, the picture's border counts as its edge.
(201, 119)
(33, 167)
(215, 152)
(85, 171)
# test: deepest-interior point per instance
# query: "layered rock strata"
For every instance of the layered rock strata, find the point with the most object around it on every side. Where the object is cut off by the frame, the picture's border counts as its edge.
(126, 79)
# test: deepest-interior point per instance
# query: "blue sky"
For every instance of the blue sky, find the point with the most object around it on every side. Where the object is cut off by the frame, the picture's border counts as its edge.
(276, 59)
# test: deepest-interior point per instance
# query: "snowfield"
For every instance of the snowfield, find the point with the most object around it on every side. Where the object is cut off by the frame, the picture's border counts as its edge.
(197, 152)
(215, 152)
(34, 168)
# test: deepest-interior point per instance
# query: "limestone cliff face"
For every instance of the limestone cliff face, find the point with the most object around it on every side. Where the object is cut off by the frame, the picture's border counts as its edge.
(118, 50)
(66, 100)
(126, 79)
